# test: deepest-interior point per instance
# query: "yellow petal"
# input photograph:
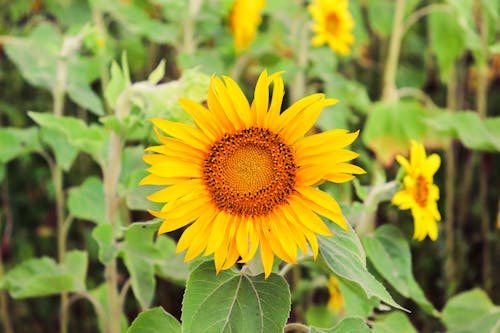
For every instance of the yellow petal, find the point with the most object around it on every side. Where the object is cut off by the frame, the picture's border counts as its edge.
(267, 255)
(307, 218)
(202, 117)
(288, 117)
(220, 224)
(172, 169)
(261, 99)
(183, 132)
(239, 101)
(175, 191)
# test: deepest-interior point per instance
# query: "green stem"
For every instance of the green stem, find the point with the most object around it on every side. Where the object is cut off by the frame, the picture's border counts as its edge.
(450, 265)
(297, 327)
(366, 223)
(389, 92)
(298, 88)
(188, 26)
(482, 98)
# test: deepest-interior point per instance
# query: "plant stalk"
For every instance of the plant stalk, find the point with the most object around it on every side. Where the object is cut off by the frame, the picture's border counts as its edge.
(188, 25)
(450, 264)
(298, 88)
(389, 92)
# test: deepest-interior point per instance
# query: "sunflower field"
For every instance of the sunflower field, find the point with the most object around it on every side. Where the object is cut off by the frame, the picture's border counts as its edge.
(249, 166)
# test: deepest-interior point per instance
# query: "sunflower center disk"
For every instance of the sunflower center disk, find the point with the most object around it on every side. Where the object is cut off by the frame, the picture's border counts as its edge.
(421, 191)
(250, 172)
(332, 23)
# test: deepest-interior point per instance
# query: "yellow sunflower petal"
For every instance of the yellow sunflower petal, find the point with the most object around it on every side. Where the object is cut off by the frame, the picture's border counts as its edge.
(307, 218)
(202, 117)
(267, 255)
(183, 132)
(175, 191)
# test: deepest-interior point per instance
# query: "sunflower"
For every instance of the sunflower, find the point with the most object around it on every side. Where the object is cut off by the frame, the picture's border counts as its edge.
(333, 25)
(336, 301)
(419, 193)
(245, 176)
(244, 20)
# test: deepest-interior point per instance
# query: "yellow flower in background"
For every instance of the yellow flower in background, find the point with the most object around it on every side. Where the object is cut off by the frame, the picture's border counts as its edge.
(244, 20)
(336, 301)
(419, 192)
(333, 25)
(245, 176)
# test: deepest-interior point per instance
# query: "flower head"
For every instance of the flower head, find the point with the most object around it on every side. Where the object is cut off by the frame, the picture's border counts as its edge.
(244, 20)
(245, 176)
(336, 301)
(333, 25)
(419, 192)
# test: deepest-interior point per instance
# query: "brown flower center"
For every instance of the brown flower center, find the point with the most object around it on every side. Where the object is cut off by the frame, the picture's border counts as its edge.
(332, 23)
(249, 172)
(421, 191)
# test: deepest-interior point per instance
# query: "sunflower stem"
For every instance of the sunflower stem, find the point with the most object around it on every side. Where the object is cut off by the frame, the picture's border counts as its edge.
(70, 46)
(297, 327)
(188, 41)
(450, 264)
(298, 88)
(389, 92)
(481, 100)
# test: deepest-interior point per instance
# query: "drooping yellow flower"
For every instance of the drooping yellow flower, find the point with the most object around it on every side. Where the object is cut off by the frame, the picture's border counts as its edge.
(336, 301)
(245, 176)
(333, 25)
(244, 20)
(419, 192)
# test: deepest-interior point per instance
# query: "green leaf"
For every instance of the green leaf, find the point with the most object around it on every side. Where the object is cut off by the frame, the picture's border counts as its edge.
(466, 126)
(15, 142)
(394, 322)
(116, 85)
(172, 267)
(103, 235)
(356, 303)
(390, 254)
(390, 127)
(347, 325)
(344, 255)
(158, 73)
(43, 276)
(140, 254)
(471, 311)
(87, 201)
(234, 302)
(442, 25)
(155, 320)
(381, 13)
(64, 152)
(89, 139)
(101, 295)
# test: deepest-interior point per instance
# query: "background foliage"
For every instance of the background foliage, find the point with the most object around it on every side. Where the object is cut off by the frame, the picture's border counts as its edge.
(79, 81)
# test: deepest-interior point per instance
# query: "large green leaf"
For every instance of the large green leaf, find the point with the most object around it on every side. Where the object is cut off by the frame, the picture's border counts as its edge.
(471, 311)
(347, 325)
(64, 152)
(390, 127)
(155, 320)
(139, 254)
(172, 267)
(466, 126)
(43, 276)
(103, 235)
(89, 139)
(394, 322)
(442, 25)
(356, 303)
(344, 255)
(390, 254)
(87, 201)
(234, 302)
(15, 142)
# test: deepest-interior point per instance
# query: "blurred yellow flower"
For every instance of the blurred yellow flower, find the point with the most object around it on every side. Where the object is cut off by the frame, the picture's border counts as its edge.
(333, 25)
(246, 175)
(419, 192)
(244, 20)
(336, 301)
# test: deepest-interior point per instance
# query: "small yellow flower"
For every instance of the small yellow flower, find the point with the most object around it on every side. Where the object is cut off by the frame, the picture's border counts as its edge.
(247, 174)
(333, 25)
(419, 192)
(244, 20)
(336, 301)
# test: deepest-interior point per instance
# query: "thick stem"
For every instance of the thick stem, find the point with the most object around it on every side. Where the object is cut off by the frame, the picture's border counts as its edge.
(481, 99)
(389, 92)
(188, 25)
(450, 265)
(297, 327)
(298, 88)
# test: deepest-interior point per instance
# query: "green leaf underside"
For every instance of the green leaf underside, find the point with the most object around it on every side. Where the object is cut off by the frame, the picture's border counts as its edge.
(155, 320)
(394, 322)
(234, 302)
(471, 311)
(87, 201)
(389, 253)
(344, 255)
(40, 277)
